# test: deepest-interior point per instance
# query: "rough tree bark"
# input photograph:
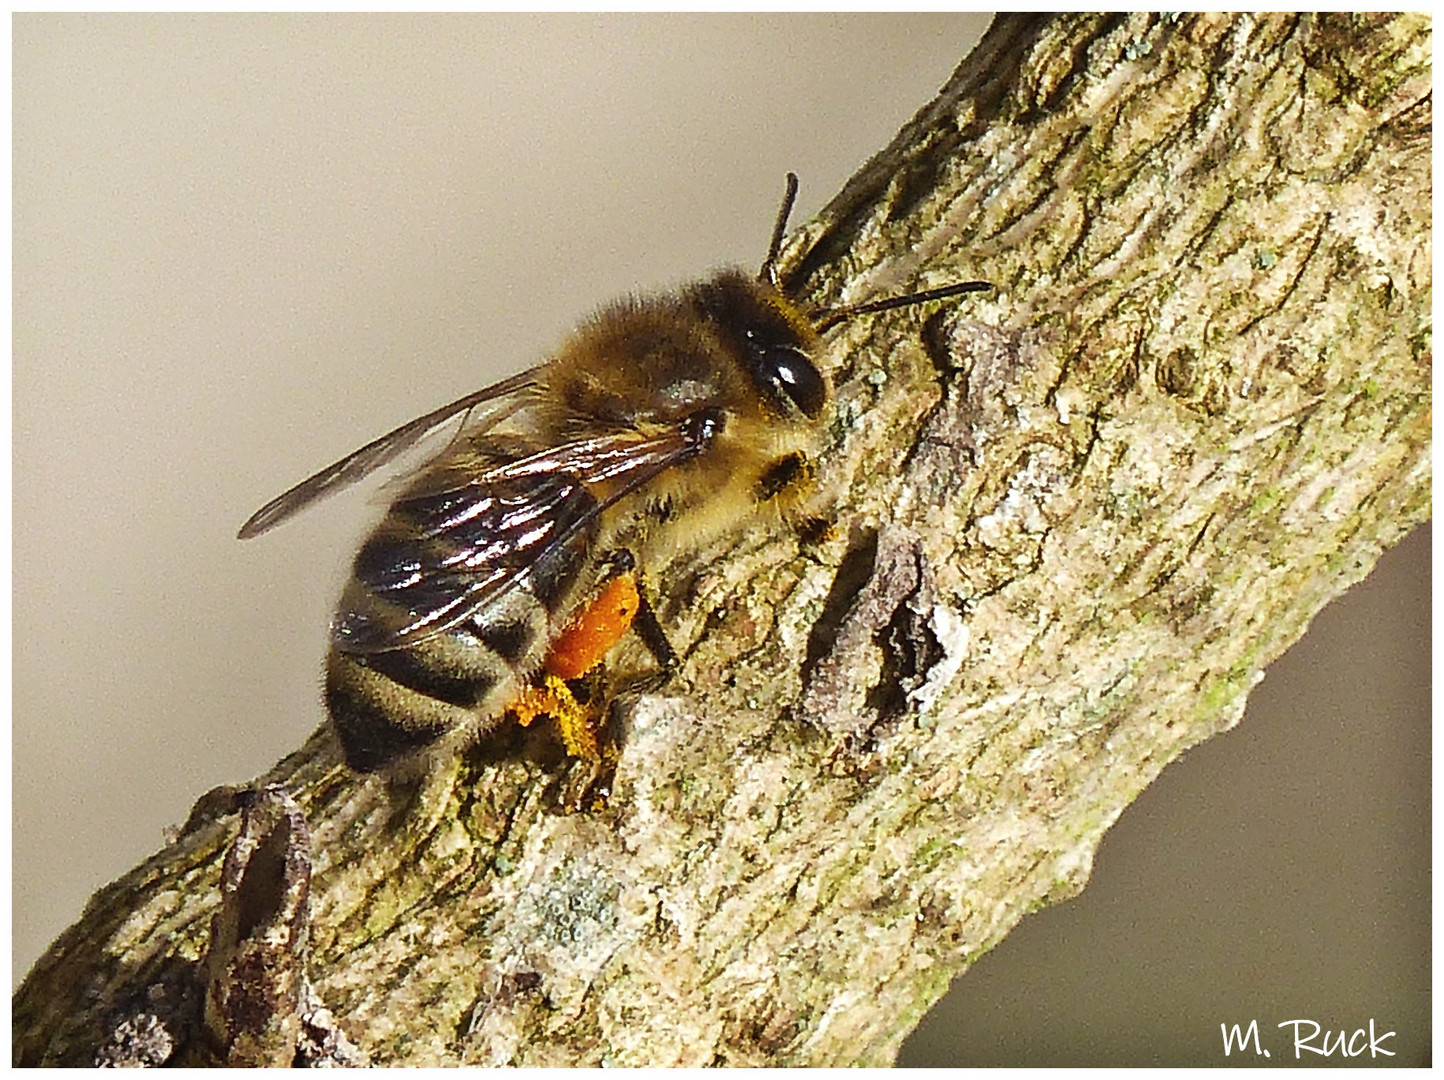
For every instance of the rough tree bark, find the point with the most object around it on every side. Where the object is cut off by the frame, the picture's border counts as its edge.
(1073, 521)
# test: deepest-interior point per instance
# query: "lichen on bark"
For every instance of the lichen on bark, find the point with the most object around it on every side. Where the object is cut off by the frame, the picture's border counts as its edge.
(1071, 523)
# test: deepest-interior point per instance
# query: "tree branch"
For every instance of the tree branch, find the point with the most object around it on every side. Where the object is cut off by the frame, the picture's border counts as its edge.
(1072, 523)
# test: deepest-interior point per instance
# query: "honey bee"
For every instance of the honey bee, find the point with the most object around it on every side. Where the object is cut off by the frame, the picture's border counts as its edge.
(511, 563)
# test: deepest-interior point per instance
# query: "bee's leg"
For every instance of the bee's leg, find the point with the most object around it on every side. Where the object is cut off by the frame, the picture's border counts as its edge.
(646, 626)
(650, 631)
(599, 786)
(596, 787)
(608, 734)
(572, 709)
(575, 690)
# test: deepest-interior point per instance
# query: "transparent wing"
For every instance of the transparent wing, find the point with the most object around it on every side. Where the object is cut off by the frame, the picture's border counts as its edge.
(446, 550)
(486, 407)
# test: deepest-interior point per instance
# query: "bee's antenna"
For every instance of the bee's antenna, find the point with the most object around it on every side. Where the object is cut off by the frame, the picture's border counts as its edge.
(827, 318)
(768, 273)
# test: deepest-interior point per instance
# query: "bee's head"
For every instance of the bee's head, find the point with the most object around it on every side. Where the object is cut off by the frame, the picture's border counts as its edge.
(734, 345)
(773, 342)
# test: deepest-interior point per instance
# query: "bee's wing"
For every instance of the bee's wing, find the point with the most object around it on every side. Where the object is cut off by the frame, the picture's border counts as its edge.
(487, 408)
(446, 551)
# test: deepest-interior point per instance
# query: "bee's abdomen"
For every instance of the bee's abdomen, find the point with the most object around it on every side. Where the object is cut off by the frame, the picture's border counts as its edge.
(379, 721)
(493, 570)
(388, 705)
(413, 670)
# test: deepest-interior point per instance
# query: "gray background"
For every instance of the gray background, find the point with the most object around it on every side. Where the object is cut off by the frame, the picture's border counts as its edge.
(245, 245)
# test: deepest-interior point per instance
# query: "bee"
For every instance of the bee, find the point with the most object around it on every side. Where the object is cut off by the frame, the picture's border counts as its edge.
(509, 565)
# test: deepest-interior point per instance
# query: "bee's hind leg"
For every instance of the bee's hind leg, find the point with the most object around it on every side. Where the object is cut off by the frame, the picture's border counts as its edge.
(590, 715)
(595, 788)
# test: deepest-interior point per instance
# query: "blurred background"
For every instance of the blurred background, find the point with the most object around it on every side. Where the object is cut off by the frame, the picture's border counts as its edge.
(244, 245)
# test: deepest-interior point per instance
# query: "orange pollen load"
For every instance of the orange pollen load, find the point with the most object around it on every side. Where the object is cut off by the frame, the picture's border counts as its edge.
(591, 634)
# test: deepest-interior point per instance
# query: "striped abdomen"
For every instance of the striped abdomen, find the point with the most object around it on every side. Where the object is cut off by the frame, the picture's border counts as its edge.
(451, 606)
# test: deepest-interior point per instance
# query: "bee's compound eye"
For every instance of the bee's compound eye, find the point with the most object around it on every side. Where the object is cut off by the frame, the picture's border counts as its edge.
(789, 369)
